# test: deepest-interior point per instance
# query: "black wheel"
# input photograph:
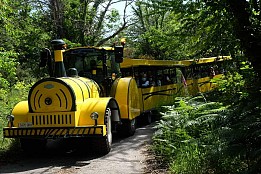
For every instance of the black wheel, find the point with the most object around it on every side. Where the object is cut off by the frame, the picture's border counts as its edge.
(131, 126)
(127, 128)
(103, 144)
(33, 146)
(148, 118)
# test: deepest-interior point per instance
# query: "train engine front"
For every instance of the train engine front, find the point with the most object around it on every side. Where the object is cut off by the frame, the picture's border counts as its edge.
(63, 107)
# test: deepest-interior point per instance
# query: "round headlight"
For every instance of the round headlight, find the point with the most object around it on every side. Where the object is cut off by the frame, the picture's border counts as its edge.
(94, 115)
(10, 118)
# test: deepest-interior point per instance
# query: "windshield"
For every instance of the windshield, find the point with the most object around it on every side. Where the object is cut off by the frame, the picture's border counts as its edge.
(92, 63)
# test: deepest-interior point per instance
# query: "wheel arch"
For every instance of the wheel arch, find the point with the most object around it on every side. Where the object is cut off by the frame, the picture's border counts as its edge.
(126, 93)
(115, 111)
(98, 105)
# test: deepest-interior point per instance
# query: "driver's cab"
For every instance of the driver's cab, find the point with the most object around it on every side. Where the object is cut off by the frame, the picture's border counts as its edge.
(101, 64)
(95, 63)
(91, 62)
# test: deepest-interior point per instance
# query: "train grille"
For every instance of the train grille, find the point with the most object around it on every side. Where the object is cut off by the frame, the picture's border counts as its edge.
(52, 120)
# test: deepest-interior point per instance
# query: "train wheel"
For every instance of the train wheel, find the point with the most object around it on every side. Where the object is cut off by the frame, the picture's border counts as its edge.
(127, 128)
(103, 145)
(149, 118)
(33, 146)
(131, 126)
(146, 118)
(108, 126)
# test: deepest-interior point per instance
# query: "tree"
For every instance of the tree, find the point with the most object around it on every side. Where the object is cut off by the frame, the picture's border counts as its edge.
(149, 24)
(183, 29)
(247, 27)
(88, 22)
(22, 33)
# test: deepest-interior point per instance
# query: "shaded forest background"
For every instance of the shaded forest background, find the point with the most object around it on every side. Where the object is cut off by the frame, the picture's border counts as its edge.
(154, 29)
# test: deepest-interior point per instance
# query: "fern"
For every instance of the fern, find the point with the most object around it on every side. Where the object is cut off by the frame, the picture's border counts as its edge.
(186, 126)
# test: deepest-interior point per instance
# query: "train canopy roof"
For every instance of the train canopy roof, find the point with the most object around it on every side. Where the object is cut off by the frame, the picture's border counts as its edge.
(127, 62)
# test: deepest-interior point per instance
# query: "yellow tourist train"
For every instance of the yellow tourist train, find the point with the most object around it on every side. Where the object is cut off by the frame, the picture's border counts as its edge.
(93, 91)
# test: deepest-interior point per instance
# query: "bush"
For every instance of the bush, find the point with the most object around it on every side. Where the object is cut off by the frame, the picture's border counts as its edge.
(9, 98)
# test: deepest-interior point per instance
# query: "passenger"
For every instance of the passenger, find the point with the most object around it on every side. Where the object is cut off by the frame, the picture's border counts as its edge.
(136, 76)
(151, 81)
(212, 72)
(159, 78)
(168, 81)
(113, 76)
(144, 81)
(216, 69)
(158, 82)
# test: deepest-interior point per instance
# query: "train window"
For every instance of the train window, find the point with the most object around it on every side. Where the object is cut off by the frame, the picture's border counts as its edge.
(173, 75)
(189, 73)
(166, 76)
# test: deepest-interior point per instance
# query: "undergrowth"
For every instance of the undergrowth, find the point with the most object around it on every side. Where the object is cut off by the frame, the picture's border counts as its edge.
(213, 135)
(185, 135)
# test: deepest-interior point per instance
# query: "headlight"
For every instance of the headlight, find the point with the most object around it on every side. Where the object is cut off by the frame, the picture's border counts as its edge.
(10, 118)
(94, 115)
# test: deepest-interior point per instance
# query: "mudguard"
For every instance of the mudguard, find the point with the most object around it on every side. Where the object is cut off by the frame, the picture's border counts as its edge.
(20, 111)
(100, 106)
(126, 92)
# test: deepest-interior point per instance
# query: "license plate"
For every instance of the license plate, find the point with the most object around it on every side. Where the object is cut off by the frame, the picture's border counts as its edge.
(25, 124)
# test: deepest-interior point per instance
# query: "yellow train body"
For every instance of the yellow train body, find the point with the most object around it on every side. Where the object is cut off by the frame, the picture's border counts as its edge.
(72, 106)
(126, 92)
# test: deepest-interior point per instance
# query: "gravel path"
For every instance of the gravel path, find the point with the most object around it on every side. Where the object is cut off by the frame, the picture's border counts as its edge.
(126, 157)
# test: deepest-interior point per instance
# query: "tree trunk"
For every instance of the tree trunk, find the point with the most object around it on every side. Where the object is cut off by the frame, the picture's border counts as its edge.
(56, 7)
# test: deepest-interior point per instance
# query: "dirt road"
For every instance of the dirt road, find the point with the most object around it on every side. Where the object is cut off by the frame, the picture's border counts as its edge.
(126, 157)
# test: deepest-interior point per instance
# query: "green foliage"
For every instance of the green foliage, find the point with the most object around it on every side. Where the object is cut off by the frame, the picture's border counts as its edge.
(213, 137)
(243, 123)
(11, 90)
(183, 135)
(71, 44)
(243, 132)
(84, 22)
(7, 69)
(9, 98)
(183, 29)
(23, 33)
(236, 85)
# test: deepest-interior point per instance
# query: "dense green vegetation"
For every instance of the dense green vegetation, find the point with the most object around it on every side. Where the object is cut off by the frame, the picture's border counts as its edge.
(217, 132)
(220, 136)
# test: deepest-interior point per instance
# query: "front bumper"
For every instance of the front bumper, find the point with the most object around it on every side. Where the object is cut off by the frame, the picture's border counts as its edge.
(55, 132)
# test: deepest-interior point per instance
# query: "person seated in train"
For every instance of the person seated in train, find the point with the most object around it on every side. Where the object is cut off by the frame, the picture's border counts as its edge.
(136, 76)
(144, 81)
(212, 72)
(158, 82)
(216, 68)
(168, 81)
(151, 81)
(159, 78)
(113, 76)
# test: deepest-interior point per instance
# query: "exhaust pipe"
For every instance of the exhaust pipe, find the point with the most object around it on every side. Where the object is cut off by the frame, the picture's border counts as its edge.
(59, 47)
